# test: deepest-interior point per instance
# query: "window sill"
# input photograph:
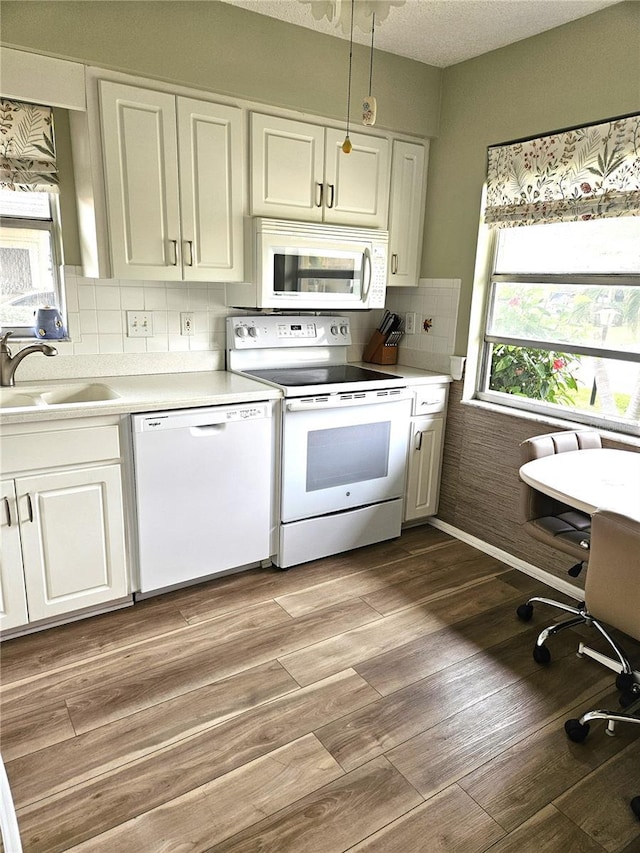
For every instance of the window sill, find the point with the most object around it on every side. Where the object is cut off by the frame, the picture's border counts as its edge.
(557, 423)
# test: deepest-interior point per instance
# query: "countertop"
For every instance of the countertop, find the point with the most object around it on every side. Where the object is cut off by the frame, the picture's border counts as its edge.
(413, 375)
(157, 392)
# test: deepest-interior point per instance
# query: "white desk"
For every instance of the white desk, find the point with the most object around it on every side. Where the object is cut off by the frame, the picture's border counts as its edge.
(589, 479)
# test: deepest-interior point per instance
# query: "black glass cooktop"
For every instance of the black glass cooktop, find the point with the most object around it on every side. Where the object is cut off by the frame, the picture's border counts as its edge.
(333, 374)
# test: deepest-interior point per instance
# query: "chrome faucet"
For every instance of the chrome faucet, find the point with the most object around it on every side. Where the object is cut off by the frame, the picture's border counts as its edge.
(9, 363)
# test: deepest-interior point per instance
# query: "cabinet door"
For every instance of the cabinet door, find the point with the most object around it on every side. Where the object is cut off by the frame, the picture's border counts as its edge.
(211, 146)
(424, 464)
(141, 174)
(406, 213)
(13, 600)
(286, 168)
(72, 529)
(356, 184)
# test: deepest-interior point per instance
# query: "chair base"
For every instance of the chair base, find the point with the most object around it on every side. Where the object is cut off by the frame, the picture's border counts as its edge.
(578, 729)
(579, 616)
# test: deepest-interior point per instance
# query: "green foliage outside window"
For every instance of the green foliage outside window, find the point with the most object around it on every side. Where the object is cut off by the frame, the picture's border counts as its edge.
(532, 373)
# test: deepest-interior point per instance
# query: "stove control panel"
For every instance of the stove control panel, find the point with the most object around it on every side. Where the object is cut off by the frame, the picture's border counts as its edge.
(275, 330)
(296, 330)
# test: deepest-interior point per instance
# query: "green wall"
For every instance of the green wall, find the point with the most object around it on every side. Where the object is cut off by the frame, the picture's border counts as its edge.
(575, 74)
(225, 49)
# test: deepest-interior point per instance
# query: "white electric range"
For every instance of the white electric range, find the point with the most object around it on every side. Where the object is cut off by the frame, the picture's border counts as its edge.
(344, 433)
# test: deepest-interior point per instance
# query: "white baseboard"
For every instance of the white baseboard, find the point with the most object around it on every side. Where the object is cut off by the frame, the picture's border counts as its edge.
(515, 562)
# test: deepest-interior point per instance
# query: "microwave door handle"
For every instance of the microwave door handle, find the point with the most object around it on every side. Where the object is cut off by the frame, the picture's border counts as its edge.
(366, 262)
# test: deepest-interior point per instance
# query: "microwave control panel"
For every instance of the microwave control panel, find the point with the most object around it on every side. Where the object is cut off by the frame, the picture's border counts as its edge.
(378, 277)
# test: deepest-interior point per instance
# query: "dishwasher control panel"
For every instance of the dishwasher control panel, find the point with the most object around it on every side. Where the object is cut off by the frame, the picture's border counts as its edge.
(198, 418)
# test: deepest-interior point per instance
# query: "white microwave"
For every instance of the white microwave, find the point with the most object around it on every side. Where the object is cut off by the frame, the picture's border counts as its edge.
(311, 266)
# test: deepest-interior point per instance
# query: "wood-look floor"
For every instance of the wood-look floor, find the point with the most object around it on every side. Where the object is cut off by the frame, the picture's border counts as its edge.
(382, 700)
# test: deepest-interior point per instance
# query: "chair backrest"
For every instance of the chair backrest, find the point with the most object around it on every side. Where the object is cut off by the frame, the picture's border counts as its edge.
(612, 588)
(535, 504)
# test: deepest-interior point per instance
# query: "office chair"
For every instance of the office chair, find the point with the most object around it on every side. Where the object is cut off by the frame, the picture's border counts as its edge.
(547, 519)
(612, 595)
(568, 530)
(557, 524)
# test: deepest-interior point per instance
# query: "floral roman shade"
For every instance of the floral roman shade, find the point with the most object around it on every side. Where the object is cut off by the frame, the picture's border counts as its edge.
(588, 173)
(27, 148)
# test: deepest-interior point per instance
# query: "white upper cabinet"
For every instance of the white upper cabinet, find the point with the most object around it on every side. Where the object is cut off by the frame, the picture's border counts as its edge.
(174, 185)
(406, 212)
(299, 171)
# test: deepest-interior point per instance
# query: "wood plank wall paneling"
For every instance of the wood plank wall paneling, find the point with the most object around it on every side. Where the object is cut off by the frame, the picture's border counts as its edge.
(480, 488)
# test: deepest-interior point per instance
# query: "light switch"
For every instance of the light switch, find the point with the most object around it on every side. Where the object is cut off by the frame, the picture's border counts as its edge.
(139, 324)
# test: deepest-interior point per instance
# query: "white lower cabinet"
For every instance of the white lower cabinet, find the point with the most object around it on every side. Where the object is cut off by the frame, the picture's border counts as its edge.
(13, 597)
(63, 543)
(424, 462)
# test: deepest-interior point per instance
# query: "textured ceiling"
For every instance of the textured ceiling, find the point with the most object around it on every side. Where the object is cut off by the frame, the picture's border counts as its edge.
(443, 32)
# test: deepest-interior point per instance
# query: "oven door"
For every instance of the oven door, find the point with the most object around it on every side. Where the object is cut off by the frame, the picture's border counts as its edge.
(341, 457)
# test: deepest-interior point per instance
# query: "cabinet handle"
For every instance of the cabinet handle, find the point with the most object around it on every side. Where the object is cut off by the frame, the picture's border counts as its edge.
(7, 508)
(332, 195)
(419, 440)
(189, 243)
(394, 264)
(174, 243)
(319, 195)
(30, 507)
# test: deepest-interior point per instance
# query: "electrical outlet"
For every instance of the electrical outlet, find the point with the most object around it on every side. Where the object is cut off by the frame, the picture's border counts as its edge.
(186, 323)
(410, 323)
(139, 324)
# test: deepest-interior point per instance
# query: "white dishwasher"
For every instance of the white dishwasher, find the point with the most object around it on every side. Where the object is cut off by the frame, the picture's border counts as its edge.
(204, 481)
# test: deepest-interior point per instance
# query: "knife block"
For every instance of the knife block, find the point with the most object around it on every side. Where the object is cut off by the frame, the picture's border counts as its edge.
(377, 352)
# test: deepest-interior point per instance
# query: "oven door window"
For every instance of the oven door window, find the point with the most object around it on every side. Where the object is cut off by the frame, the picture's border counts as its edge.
(349, 454)
(308, 272)
(342, 458)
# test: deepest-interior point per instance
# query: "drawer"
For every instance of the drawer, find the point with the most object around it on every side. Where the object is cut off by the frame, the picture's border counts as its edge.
(429, 399)
(55, 448)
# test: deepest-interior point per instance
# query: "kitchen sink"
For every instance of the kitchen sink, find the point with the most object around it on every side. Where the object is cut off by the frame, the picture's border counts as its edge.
(79, 393)
(12, 399)
(58, 395)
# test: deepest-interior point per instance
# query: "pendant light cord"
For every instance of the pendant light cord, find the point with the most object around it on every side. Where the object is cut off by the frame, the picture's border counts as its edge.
(350, 60)
(373, 27)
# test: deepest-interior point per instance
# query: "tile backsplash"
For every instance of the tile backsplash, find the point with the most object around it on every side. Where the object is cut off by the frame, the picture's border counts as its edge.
(97, 326)
(435, 304)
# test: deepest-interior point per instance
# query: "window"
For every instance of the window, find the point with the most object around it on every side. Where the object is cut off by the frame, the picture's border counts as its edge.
(28, 258)
(562, 332)
(29, 230)
(562, 320)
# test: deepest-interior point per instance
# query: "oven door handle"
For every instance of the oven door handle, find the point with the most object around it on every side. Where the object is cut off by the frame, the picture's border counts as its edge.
(366, 264)
(310, 406)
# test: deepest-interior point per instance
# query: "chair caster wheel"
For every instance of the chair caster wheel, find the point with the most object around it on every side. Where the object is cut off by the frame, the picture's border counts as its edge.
(525, 612)
(635, 806)
(628, 697)
(541, 654)
(624, 681)
(577, 731)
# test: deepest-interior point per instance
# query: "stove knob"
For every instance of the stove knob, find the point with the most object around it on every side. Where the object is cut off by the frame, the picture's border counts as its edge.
(334, 330)
(241, 331)
(344, 330)
(253, 332)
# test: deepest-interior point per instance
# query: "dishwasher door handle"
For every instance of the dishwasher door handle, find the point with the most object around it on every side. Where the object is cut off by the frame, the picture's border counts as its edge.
(207, 429)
